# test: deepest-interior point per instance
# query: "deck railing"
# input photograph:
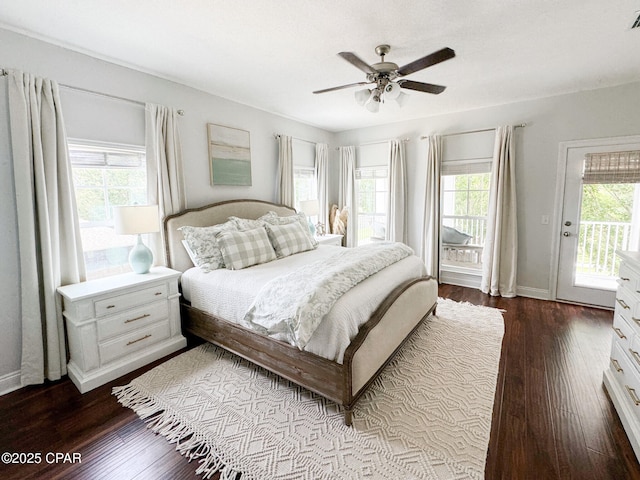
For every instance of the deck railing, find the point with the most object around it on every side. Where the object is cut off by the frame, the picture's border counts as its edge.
(597, 244)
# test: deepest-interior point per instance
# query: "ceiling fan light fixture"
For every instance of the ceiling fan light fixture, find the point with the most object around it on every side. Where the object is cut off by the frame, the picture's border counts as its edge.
(373, 104)
(362, 96)
(401, 98)
(392, 91)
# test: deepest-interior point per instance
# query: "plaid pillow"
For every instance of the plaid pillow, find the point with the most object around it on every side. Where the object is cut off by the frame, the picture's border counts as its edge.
(289, 239)
(300, 218)
(244, 249)
(249, 224)
(203, 247)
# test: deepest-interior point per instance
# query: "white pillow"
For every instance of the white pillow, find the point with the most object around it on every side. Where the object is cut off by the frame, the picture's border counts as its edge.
(244, 249)
(289, 239)
(203, 246)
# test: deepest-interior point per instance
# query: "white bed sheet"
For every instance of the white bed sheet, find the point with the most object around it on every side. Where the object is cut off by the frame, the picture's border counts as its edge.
(228, 294)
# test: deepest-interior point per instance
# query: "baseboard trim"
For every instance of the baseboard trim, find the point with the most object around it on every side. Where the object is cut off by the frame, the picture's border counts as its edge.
(530, 292)
(10, 382)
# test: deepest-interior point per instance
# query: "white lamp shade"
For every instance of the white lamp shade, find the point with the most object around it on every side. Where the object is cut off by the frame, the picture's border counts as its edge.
(136, 219)
(400, 99)
(362, 96)
(309, 207)
(392, 91)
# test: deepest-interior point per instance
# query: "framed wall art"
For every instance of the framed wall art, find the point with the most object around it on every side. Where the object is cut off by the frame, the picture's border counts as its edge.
(229, 155)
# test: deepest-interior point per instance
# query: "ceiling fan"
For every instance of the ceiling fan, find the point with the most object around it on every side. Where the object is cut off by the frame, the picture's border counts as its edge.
(387, 77)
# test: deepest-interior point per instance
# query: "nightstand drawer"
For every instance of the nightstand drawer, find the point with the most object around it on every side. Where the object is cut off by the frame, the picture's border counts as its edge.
(118, 303)
(131, 320)
(629, 278)
(134, 341)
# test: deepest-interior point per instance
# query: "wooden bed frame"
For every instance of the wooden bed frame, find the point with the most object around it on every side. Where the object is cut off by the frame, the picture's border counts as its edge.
(369, 352)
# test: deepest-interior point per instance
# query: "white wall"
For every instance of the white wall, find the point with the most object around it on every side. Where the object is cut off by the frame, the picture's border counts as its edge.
(599, 113)
(122, 121)
(593, 114)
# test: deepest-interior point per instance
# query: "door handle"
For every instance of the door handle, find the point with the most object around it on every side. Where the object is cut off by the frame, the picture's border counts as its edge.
(566, 234)
(567, 223)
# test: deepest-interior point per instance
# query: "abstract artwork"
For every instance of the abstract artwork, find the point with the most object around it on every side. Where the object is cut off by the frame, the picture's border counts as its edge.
(229, 155)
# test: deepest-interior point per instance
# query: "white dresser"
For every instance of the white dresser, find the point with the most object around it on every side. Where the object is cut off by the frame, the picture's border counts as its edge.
(120, 323)
(622, 378)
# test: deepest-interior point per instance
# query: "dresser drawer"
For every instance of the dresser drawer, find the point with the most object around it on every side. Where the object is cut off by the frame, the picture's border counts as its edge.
(629, 278)
(134, 341)
(121, 323)
(628, 305)
(634, 353)
(627, 376)
(624, 333)
(108, 306)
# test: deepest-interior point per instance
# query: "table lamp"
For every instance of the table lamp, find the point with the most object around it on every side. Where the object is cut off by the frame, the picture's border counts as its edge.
(136, 220)
(310, 208)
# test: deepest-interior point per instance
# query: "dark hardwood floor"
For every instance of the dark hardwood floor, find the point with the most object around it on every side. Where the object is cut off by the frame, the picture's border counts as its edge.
(552, 418)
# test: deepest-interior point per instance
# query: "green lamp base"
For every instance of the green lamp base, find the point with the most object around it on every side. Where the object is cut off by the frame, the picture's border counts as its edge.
(140, 257)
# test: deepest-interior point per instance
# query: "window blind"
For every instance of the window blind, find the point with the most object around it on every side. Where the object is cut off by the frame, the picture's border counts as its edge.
(612, 167)
(466, 167)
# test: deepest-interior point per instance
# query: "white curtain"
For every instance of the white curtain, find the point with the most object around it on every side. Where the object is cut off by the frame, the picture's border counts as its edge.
(322, 178)
(286, 189)
(431, 219)
(346, 194)
(48, 231)
(500, 253)
(165, 178)
(397, 204)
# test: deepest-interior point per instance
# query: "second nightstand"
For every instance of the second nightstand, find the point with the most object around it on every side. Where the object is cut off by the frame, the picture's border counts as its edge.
(330, 239)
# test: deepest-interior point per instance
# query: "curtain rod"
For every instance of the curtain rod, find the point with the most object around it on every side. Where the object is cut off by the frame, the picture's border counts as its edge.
(277, 135)
(4, 73)
(521, 125)
(108, 95)
(378, 142)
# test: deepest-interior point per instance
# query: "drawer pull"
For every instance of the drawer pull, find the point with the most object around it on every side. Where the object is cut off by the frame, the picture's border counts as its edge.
(138, 340)
(111, 306)
(157, 293)
(625, 279)
(623, 304)
(619, 332)
(635, 355)
(632, 394)
(137, 318)
(637, 320)
(616, 365)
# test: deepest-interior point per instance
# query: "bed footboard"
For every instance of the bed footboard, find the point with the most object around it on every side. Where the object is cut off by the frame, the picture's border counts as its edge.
(390, 327)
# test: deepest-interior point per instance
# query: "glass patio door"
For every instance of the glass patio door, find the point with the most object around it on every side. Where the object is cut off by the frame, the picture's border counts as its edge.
(600, 214)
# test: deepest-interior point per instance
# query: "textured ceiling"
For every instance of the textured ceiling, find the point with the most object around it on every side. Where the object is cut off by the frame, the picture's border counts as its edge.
(273, 54)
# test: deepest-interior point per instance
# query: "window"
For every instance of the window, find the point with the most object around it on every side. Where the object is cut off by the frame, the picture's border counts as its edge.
(106, 175)
(372, 194)
(465, 204)
(304, 185)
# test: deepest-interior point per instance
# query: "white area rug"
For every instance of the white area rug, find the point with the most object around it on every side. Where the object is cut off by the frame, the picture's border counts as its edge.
(427, 416)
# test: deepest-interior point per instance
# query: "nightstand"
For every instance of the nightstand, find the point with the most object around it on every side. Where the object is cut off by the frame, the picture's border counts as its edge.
(330, 239)
(120, 323)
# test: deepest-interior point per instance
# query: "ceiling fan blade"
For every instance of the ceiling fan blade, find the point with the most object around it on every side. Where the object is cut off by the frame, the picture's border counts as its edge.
(424, 62)
(357, 62)
(422, 87)
(341, 87)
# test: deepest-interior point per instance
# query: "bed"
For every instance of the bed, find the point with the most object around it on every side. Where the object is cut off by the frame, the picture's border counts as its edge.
(342, 376)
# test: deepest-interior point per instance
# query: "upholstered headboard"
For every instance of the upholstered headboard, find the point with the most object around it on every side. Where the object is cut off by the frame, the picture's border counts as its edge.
(177, 257)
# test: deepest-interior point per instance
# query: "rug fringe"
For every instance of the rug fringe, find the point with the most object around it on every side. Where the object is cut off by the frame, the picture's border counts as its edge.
(188, 443)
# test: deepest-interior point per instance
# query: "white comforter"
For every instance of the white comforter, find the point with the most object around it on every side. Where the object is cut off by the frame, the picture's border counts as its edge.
(228, 294)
